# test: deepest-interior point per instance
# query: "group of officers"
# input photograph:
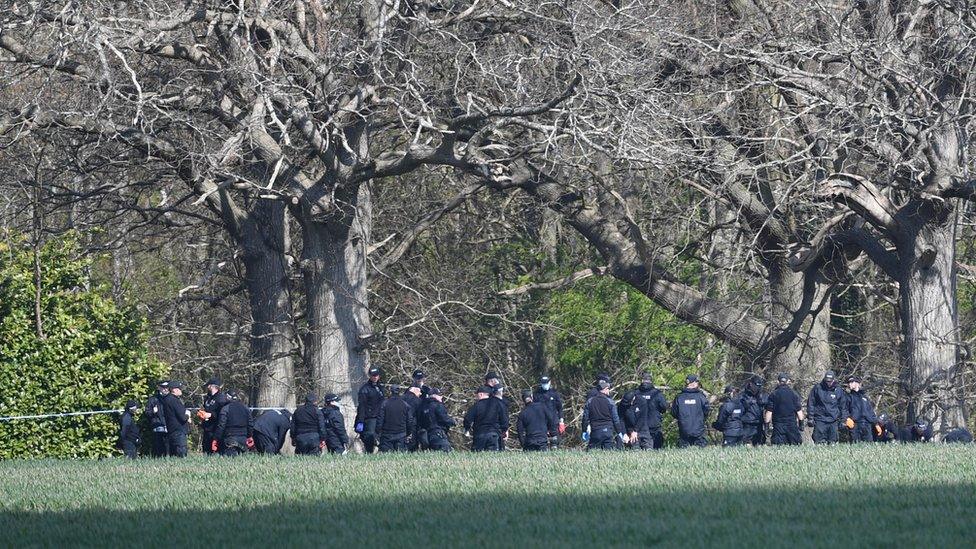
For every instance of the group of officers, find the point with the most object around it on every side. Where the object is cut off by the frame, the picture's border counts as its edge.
(414, 418)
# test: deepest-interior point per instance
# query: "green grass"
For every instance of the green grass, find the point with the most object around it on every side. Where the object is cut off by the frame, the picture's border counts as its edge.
(865, 495)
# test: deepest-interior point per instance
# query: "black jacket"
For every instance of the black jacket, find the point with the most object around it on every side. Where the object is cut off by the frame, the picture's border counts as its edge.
(753, 407)
(784, 403)
(625, 411)
(959, 435)
(889, 432)
(274, 424)
(175, 413)
(649, 404)
(155, 412)
(335, 427)
(486, 416)
(369, 401)
(213, 404)
(825, 404)
(433, 416)
(234, 421)
(690, 408)
(908, 434)
(396, 417)
(308, 419)
(601, 413)
(535, 423)
(128, 430)
(730, 418)
(859, 408)
(551, 399)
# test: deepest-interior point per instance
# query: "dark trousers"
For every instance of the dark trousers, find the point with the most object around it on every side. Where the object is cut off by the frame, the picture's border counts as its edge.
(786, 432)
(160, 444)
(438, 441)
(177, 444)
(601, 439)
(233, 446)
(265, 444)
(733, 440)
(335, 447)
(862, 432)
(307, 444)
(130, 449)
(368, 435)
(536, 444)
(824, 432)
(554, 442)
(420, 442)
(486, 442)
(651, 438)
(393, 442)
(685, 441)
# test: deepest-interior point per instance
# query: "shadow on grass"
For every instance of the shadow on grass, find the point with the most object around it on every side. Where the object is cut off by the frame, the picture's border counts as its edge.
(931, 515)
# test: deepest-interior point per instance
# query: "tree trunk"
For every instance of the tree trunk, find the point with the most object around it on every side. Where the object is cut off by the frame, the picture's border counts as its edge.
(807, 357)
(334, 266)
(930, 316)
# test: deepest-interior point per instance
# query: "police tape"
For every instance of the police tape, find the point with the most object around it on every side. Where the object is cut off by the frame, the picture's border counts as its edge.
(96, 412)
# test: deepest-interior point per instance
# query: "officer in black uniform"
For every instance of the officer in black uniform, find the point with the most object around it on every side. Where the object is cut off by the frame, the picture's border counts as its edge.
(486, 420)
(859, 412)
(920, 431)
(368, 409)
(414, 398)
(214, 400)
(753, 409)
(129, 438)
(595, 389)
(157, 420)
(886, 430)
(435, 421)
(729, 420)
(824, 407)
(959, 435)
(691, 409)
(270, 429)
(336, 439)
(625, 411)
(784, 411)
(177, 420)
(308, 432)
(536, 423)
(235, 427)
(396, 422)
(601, 424)
(649, 405)
(548, 396)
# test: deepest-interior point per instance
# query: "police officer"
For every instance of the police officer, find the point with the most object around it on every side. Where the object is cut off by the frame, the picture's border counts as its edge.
(753, 409)
(177, 420)
(601, 424)
(270, 430)
(824, 407)
(413, 398)
(368, 409)
(336, 438)
(536, 423)
(920, 431)
(548, 396)
(625, 411)
(129, 438)
(235, 427)
(649, 404)
(419, 378)
(214, 400)
(784, 411)
(308, 432)
(157, 420)
(595, 389)
(690, 408)
(396, 422)
(859, 412)
(729, 420)
(885, 430)
(486, 420)
(959, 435)
(435, 421)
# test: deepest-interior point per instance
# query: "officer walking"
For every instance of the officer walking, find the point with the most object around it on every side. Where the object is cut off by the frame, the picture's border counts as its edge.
(214, 400)
(649, 404)
(129, 438)
(308, 432)
(177, 420)
(784, 411)
(753, 409)
(601, 424)
(235, 428)
(336, 438)
(729, 420)
(690, 408)
(824, 407)
(536, 423)
(548, 396)
(435, 421)
(859, 412)
(368, 409)
(270, 430)
(157, 420)
(396, 422)
(486, 420)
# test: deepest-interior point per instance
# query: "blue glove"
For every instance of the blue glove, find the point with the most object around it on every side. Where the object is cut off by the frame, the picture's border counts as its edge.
(359, 427)
(586, 436)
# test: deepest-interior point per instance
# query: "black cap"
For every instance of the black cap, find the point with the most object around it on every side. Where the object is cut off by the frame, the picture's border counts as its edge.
(921, 424)
(484, 389)
(829, 376)
(395, 389)
(234, 394)
(882, 418)
(602, 384)
(758, 381)
(544, 379)
(332, 397)
(164, 384)
(131, 404)
(603, 376)
(853, 378)
(491, 375)
(374, 371)
(783, 377)
(691, 378)
(175, 384)
(526, 394)
(213, 381)
(419, 374)
(311, 398)
(729, 389)
(433, 391)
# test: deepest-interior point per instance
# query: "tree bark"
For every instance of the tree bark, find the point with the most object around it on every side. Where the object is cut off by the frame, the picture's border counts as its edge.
(807, 356)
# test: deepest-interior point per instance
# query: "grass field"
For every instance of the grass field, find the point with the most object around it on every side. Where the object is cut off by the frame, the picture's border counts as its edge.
(867, 495)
